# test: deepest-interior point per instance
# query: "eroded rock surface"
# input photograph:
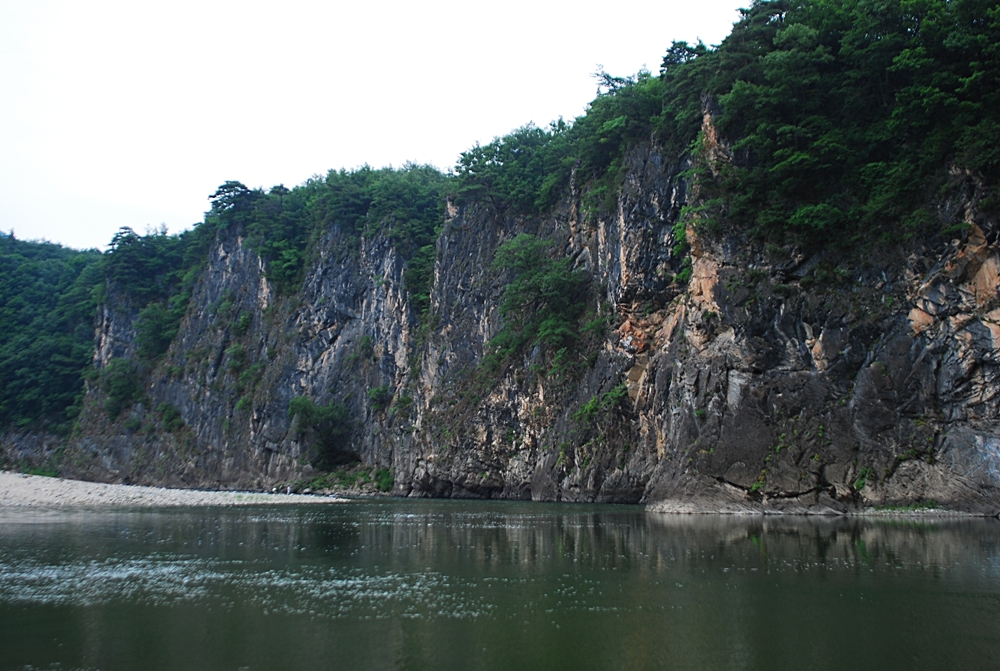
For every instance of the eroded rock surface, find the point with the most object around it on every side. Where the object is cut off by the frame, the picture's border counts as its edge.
(764, 383)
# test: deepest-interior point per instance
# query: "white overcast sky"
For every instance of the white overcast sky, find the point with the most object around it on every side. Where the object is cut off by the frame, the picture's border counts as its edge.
(131, 113)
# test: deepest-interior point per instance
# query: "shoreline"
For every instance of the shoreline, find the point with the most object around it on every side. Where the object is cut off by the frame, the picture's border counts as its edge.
(21, 491)
(889, 512)
(18, 490)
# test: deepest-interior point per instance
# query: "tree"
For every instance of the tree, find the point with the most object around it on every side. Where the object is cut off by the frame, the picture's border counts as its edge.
(544, 300)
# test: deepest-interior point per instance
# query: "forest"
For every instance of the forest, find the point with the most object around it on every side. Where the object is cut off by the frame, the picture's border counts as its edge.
(843, 122)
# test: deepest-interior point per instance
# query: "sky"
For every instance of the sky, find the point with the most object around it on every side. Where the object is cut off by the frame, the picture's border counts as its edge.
(131, 113)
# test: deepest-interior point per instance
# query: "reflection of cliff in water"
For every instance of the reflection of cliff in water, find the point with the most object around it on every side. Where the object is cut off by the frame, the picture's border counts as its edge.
(650, 540)
(441, 584)
(622, 537)
(526, 535)
(913, 542)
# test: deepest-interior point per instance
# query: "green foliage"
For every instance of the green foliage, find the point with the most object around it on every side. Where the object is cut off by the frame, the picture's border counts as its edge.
(249, 378)
(543, 302)
(242, 324)
(384, 480)
(120, 381)
(418, 276)
(684, 274)
(49, 293)
(845, 116)
(623, 115)
(864, 473)
(145, 268)
(223, 308)
(407, 205)
(329, 425)
(363, 351)
(156, 273)
(601, 404)
(44, 471)
(345, 479)
(341, 478)
(526, 171)
(155, 327)
(845, 119)
(172, 420)
(237, 358)
(366, 346)
(518, 171)
(47, 304)
(380, 397)
(404, 404)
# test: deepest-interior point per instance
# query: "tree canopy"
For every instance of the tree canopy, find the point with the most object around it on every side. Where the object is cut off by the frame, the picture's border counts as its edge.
(844, 117)
(47, 304)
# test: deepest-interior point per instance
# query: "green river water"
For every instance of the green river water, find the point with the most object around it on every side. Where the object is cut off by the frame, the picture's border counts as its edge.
(400, 584)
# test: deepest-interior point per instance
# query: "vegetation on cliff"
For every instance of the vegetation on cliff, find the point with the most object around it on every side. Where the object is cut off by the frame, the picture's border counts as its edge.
(406, 205)
(326, 426)
(845, 118)
(542, 304)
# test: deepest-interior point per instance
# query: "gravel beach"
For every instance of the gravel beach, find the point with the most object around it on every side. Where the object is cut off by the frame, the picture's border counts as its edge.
(17, 489)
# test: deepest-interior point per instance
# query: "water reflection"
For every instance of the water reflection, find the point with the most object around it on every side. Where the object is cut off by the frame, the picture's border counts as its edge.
(402, 584)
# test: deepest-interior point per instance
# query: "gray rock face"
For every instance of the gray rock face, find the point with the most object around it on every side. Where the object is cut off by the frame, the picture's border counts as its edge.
(762, 384)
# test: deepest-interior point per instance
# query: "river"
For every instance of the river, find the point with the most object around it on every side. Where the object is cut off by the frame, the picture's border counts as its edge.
(403, 584)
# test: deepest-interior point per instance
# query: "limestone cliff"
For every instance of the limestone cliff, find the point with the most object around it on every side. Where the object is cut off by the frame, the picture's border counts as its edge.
(770, 381)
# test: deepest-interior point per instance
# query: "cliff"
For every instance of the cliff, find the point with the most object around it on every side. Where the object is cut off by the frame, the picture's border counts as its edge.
(770, 381)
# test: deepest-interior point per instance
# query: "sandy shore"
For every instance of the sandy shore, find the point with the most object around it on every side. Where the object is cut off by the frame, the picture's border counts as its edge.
(17, 489)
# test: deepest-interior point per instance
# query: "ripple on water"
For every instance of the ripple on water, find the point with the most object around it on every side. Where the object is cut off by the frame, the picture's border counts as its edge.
(164, 581)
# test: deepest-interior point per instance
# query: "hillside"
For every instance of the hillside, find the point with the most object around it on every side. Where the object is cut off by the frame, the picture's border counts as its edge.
(764, 279)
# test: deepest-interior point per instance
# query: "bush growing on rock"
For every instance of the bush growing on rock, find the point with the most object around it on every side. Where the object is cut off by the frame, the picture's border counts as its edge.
(543, 302)
(120, 381)
(329, 427)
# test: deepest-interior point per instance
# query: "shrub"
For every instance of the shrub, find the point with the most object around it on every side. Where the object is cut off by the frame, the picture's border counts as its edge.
(44, 471)
(172, 420)
(404, 403)
(863, 475)
(366, 346)
(155, 328)
(418, 276)
(384, 480)
(329, 425)
(602, 403)
(237, 358)
(543, 302)
(250, 378)
(120, 381)
(242, 324)
(380, 397)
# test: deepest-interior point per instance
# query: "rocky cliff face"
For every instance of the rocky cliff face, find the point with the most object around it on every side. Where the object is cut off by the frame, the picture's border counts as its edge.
(769, 381)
